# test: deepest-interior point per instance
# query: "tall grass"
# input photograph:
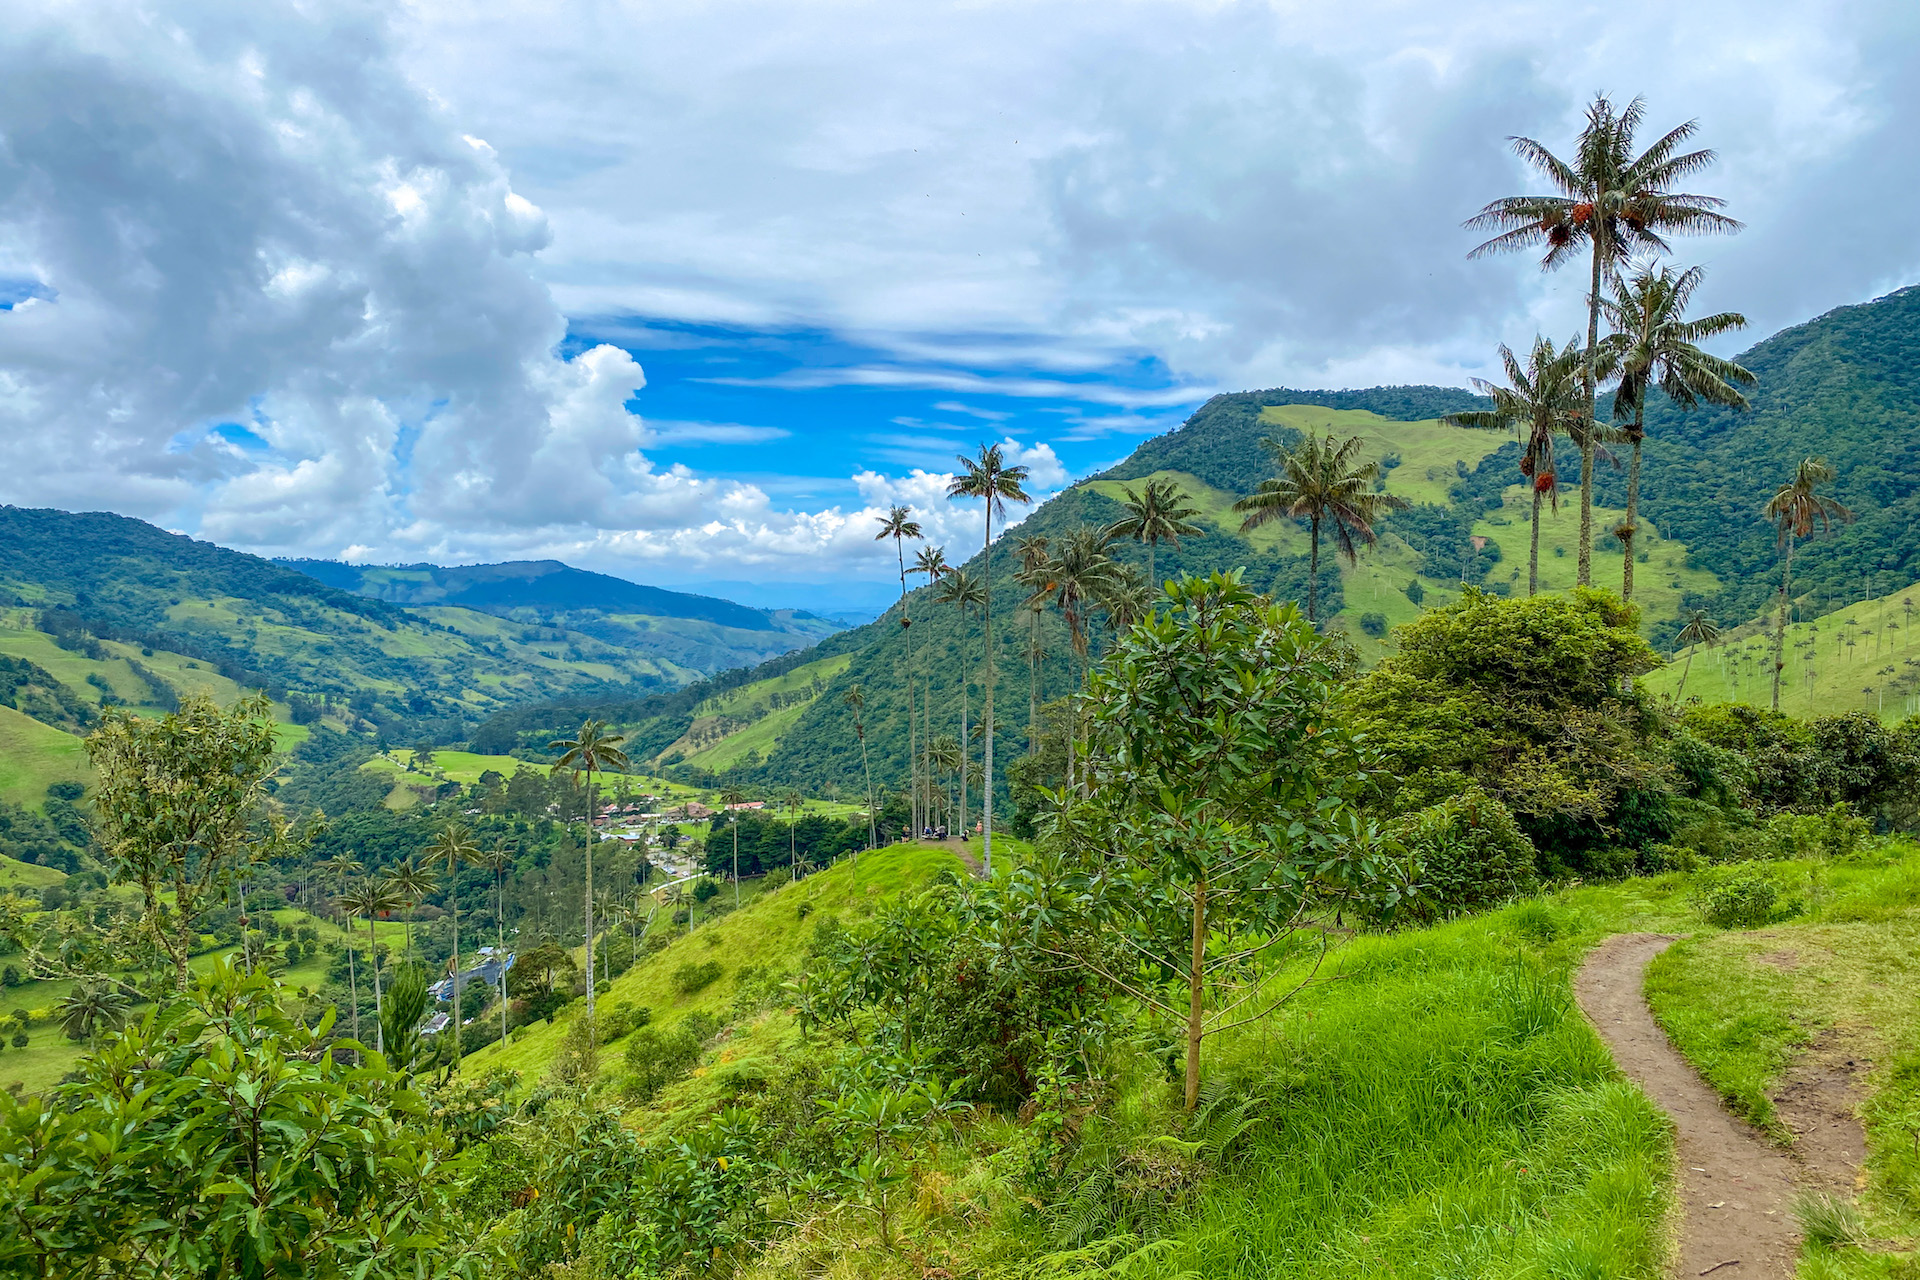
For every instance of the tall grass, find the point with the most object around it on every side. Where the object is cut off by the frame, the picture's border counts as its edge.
(1437, 1108)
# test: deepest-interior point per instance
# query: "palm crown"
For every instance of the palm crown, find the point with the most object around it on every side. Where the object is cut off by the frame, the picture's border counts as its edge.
(1323, 483)
(1158, 513)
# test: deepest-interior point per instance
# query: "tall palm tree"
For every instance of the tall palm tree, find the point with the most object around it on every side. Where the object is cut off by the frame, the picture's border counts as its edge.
(1322, 483)
(795, 802)
(1698, 631)
(497, 861)
(733, 798)
(899, 524)
(1653, 344)
(965, 592)
(454, 846)
(1538, 403)
(1031, 552)
(932, 562)
(1610, 203)
(1078, 574)
(856, 702)
(1158, 513)
(591, 750)
(944, 755)
(1796, 507)
(989, 478)
(411, 882)
(339, 869)
(373, 898)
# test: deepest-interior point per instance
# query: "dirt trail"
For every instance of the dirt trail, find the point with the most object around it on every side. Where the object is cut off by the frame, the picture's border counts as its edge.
(1736, 1191)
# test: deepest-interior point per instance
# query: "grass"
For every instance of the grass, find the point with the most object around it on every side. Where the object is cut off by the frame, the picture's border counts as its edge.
(770, 933)
(1878, 672)
(35, 755)
(1429, 451)
(1658, 585)
(15, 874)
(752, 703)
(1842, 976)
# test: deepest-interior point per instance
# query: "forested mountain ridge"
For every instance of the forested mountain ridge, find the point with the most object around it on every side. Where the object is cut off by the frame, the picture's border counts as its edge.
(700, 632)
(117, 610)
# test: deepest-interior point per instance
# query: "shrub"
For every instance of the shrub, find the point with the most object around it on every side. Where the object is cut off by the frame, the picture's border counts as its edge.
(1468, 852)
(1742, 898)
(657, 1056)
(1415, 592)
(690, 978)
(1374, 624)
(705, 890)
(19, 1040)
(12, 977)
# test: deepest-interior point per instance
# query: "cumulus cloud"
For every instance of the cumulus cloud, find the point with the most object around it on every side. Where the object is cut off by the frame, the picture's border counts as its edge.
(264, 287)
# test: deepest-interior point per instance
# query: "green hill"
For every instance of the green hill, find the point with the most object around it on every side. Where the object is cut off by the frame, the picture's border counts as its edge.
(698, 633)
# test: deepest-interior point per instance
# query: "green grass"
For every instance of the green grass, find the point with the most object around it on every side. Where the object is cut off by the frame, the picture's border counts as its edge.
(1658, 585)
(1215, 507)
(1879, 672)
(1429, 451)
(769, 932)
(15, 874)
(34, 755)
(751, 703)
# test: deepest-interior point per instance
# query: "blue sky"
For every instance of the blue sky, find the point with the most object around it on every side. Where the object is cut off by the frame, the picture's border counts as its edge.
(690, 291)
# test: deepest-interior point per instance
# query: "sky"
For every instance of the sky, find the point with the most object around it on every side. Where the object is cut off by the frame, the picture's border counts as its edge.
(691, 291)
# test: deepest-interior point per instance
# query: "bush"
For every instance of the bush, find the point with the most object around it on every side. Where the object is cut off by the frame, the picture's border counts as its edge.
(1468, 853)
(1374, 624)
(19, 1040)
(12, 977)
(657, 1056)
(705, 890)
(1741, 898)
(1415, 592)
(690, 978)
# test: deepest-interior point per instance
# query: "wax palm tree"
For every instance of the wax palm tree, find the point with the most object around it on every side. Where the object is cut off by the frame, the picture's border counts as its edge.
(497, 861)
(1323, 483)
(454, 846)
(1698, 631)
(1079, 573)
(899, 525)
(1609, 203)
(733, 798)
(795, 802)
(591, 750)
(965, 592)
(411, 882)
(372, 898)
(1538, 403)
(1031, 552)
(944, 755)
(341, 868)
(932, 562)
(989, 478)
(1128, 598)
(1796, 507)
(1653, 344)
(94, 1004)
(1158, 513)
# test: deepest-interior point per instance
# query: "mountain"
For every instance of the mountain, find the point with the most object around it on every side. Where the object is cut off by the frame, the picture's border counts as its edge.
(700, 633)
(1845, 386)
(99, 609)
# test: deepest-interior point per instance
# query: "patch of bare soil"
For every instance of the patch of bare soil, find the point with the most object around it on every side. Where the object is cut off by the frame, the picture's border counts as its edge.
(1736, 1191)
(1819, 1104)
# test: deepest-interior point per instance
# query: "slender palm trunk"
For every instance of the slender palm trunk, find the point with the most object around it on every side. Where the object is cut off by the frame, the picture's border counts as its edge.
(1685, 671)
(1780, 628)
(793, 846)
(453, 901)
(966, 757)
(1152, 581)
(1633, 501)
(1533, 554)
(592, 1031)
(373, 952)
(913, 757)
(1033, 683)
(1587, 438)
(500, 946)
(1313, 573)
(353, 984)
(735, 824)
(986, 617)
(873, 816)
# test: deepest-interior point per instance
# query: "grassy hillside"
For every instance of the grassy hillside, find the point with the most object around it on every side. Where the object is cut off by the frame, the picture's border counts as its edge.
(1862, 657)
(34, 755)
(768, 935)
